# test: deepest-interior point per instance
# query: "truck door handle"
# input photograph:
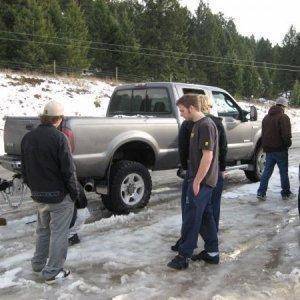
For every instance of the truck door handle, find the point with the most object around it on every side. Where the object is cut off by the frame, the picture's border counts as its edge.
(29, 126)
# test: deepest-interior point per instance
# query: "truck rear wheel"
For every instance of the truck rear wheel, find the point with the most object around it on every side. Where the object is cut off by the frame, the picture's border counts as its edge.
(259, 165)
(130, 187)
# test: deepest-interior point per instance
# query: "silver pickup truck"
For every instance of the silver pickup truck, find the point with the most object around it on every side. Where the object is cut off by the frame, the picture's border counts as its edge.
(114, 154)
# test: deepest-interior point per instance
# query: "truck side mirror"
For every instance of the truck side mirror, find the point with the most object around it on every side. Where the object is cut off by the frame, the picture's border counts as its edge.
(253, 113)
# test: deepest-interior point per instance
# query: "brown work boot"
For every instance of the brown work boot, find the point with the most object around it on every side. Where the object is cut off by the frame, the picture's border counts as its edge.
(3, 222)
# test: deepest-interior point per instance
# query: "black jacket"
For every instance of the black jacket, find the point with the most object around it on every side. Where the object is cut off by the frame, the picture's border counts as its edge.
(47, 165)
(276, 130)
(184, 142)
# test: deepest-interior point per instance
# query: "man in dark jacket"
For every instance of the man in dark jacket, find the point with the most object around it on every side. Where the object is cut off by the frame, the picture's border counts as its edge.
(49, 172)
(276, 139)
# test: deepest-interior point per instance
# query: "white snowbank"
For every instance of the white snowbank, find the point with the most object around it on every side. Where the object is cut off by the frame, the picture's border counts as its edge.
(26, 95)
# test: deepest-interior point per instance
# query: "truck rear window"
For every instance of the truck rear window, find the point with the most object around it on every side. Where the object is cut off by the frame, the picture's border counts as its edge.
(147, 101)
(120, 102)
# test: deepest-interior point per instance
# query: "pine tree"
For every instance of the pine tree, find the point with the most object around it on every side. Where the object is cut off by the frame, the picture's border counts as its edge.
(128, 57)
(103, 29)
(164, 25)
(266, 82)
(33, 41)
(75, 38)
(251, 82)
(295, 97)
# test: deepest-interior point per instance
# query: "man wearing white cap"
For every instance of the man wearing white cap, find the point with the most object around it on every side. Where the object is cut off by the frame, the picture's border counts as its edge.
(48, 170)
(276, 140)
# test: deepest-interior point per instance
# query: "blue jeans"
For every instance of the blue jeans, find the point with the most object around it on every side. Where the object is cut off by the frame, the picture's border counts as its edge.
(197, 211)
(281, 159)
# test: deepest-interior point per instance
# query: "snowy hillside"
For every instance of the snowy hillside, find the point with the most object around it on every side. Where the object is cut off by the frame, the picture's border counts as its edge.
(26, 95)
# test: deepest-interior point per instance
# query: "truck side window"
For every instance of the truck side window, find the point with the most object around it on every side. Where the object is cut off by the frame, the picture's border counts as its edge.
(158, 101)
(138, 104)
(225, 106)
(120, 102)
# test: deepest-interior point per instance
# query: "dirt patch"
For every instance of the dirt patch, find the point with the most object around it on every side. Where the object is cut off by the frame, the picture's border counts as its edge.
(24, 80)
(274, 261)
(78, 91)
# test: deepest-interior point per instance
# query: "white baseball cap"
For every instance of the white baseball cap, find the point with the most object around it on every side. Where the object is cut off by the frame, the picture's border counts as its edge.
(282, 101)
(53, 109)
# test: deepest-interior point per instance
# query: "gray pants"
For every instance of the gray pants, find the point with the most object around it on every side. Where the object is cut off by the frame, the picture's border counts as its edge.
(53, 224)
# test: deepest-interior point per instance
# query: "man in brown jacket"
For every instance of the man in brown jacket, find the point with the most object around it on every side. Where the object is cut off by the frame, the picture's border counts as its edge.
(276, 139)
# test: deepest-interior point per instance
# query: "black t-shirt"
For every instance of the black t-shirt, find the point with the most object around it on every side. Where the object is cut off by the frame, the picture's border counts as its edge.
(204, 136)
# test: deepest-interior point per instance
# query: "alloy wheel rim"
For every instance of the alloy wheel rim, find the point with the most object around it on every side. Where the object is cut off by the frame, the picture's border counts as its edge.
(132, 189)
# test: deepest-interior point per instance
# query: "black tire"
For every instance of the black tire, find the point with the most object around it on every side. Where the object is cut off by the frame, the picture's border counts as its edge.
(259, 162)
(119, 199)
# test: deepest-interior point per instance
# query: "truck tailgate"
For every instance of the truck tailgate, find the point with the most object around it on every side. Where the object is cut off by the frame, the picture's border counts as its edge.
(14, 130)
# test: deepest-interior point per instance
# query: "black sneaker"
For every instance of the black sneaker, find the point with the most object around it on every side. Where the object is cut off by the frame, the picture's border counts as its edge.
(289, 196)
(60, 276)
(176, 246)
(74, 239)
(179, 263)
(261, 197)
(203, 255)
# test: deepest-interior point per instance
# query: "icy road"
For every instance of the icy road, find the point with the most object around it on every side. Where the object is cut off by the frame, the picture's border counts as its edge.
(125, 257)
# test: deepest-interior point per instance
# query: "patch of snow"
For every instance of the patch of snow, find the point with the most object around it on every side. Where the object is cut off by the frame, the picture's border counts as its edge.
(8, 278)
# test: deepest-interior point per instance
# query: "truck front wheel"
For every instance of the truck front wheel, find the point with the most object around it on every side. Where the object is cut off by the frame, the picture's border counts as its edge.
(259, 165)
(130, 187)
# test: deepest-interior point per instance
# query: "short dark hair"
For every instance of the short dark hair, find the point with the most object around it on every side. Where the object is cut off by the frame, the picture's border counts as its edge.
(47, 120)
(189, 100)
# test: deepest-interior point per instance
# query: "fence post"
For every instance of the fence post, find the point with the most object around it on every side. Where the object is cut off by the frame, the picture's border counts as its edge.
(117, 71)
(54, 68)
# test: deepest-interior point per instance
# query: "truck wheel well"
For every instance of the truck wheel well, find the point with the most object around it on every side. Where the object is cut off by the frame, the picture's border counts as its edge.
(258, 144)
(136, 151)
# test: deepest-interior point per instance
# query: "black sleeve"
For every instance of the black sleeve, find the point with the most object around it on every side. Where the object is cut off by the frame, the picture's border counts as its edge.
(68, 170)
(23, 168)
(285, 131)
(184, 142)
(222, 146)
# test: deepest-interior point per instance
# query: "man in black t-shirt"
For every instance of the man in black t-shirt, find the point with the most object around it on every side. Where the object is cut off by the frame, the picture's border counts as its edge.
(202, 176)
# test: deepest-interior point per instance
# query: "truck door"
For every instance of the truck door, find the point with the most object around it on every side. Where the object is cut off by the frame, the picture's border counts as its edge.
(238, 130)
(162, 125)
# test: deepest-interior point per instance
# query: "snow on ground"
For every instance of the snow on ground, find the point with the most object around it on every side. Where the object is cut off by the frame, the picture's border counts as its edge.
(125, 257)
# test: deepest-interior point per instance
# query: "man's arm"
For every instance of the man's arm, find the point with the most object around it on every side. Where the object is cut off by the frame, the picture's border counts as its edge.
(285, 131)
(223, 148)
(68, 170)
(23, 169)
(207, 156)
(184, 142)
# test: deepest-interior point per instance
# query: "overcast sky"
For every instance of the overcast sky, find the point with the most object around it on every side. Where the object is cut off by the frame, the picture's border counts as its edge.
(264, 18)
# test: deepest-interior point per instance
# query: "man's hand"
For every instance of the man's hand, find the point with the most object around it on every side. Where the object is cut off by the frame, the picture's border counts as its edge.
(196, 186)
